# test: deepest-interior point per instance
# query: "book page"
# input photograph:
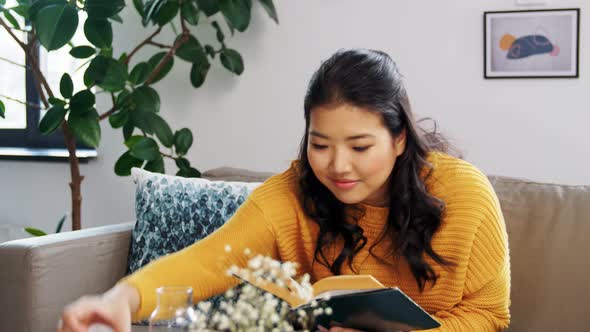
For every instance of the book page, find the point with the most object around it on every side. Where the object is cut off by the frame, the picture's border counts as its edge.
(336, 292)
(346, 282)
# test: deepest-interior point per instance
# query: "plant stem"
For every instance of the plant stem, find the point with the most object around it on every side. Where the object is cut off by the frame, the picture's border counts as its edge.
(12, 62)
(21, 102)
(9, 30)
(167, 155)
(151, 42)
(142, 44)
(70, 141)
(109, 112)
(76, 178)
(171, 52)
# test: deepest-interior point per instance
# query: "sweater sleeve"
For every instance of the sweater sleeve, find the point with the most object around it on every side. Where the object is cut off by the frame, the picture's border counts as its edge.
(203, 265)
(486, 296)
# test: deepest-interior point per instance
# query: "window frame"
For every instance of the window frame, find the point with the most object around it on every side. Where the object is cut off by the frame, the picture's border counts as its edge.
(30, 143)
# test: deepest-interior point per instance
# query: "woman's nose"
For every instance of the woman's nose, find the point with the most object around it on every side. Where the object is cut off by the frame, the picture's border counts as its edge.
(340, 163)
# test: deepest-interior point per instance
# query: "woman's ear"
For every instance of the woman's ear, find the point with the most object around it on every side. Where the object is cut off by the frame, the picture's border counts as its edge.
(399, 143)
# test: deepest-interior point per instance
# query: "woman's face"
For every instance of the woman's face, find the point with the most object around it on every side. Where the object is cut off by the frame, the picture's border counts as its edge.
(352, 153)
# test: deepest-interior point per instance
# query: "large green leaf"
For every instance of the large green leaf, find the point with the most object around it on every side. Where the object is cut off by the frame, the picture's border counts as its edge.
(117, 18)
(270, 9)
(182, 163)
(22, 9)
(82, 101)
(66, 86)
(39, 4)
(2, 110)
(209, 7)
(82, 52)
(128, 129)
(108, 73)
(123, 99)
(183, 139)
(189, 172)
(232, 60)
(103, 8)
(218, 32)
(236, 13)
(138, 4)
(35, 231)
(150, 10)
(139, 73)
(52, 120)
(131, 141)
(11, 19)
(60, 224)
(156, 165)
(56, 25)
(146, 99)
(85, 126)
(145, 149)
(119, 119)
(167, 12)
(125, 163)
(189, 12)
(163, 131)
(191, 50)
(99, 32)
(56, 101)
(199, 73)
(155, 60)
(142, 120)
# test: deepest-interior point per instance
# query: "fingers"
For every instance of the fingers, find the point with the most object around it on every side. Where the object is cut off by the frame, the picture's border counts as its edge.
(78, 316)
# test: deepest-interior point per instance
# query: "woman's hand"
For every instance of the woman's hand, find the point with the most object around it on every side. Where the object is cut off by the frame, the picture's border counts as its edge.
(112, 309)
(337, 329)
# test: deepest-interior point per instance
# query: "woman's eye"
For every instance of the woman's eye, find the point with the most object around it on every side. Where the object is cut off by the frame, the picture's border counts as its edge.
(361, 148)
(318, 146)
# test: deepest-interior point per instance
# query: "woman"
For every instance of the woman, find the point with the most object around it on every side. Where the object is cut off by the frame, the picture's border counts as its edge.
(371, 193)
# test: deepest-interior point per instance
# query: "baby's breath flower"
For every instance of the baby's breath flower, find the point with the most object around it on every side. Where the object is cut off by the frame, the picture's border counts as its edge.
(250, 309)
(227, 248)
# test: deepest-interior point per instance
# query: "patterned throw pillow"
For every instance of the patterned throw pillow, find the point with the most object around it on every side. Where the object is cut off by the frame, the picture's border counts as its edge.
(174, 212)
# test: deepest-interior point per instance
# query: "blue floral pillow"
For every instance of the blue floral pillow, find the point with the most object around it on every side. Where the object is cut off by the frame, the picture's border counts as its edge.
(174, 212)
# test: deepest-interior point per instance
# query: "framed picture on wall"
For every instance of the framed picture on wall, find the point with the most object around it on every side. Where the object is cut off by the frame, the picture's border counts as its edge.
(531, 43)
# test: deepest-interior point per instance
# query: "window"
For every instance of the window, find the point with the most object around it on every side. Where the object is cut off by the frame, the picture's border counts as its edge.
(19, 134)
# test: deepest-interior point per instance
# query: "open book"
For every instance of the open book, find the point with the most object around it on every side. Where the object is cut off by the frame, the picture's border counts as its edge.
(357, 301)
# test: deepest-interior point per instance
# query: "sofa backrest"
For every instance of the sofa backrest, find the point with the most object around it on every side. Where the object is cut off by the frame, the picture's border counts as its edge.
(548, 227)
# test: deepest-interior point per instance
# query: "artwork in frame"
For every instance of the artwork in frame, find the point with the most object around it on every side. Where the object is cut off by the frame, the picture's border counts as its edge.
(531, 43)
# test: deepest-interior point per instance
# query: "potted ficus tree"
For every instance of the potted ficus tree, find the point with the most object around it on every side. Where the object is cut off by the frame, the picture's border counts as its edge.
(127, 79)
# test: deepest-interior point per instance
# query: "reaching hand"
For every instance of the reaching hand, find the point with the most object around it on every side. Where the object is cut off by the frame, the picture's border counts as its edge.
(90, 310)
(112, 309)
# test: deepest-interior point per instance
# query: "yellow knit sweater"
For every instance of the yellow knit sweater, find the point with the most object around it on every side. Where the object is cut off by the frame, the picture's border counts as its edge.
(473, 295)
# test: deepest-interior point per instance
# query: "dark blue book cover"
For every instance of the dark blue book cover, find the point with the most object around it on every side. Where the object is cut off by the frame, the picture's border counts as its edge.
(380, 310)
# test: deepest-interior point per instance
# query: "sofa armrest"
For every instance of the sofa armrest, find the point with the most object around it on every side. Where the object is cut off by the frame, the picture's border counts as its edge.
(39, 276)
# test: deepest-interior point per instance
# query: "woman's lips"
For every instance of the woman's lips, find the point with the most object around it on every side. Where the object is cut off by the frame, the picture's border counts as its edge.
(344, 184)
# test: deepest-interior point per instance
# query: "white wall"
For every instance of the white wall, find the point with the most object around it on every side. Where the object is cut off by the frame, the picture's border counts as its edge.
(524, 128)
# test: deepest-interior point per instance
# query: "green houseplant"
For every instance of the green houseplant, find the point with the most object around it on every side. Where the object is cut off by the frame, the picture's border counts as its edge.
(128, 80)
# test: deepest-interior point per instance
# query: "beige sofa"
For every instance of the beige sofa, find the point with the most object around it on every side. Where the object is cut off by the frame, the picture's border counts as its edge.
(548, 226)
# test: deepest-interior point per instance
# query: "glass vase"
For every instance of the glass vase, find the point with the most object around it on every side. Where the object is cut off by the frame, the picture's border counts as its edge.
(174, 311)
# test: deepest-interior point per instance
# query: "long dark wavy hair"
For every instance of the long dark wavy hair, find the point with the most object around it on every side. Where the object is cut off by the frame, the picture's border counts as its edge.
(371, 80)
